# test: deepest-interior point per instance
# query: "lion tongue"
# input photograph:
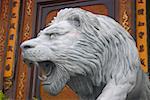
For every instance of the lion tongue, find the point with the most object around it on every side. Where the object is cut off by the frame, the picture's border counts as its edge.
(45, 70)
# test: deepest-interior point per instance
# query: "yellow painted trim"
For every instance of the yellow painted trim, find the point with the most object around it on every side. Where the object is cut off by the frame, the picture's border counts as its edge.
(141, 33)
(12, 36)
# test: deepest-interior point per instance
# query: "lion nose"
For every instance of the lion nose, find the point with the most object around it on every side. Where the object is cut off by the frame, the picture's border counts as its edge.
(27, 45)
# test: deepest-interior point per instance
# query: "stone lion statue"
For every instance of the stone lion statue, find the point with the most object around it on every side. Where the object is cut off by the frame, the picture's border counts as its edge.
(92, 54)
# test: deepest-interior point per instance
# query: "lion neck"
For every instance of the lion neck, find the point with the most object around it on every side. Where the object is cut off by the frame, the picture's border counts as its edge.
(83, 86)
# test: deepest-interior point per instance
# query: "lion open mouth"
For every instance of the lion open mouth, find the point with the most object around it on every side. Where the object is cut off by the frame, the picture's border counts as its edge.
(45, 68)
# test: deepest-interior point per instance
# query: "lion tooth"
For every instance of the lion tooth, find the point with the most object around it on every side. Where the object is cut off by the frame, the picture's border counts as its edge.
(49, 72)
(42, 78)
(36, 64)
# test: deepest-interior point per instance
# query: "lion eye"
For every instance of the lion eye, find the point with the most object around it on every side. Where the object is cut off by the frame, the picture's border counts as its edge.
(52, 35)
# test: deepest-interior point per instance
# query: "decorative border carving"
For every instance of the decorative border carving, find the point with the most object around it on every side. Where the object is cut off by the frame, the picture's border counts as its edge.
(27, 34)
(125, 19)
(125, 7)
(29, 7)
(7, 84)
(21, 87)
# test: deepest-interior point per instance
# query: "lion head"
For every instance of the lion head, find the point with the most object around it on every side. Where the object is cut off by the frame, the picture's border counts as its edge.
(79, 46)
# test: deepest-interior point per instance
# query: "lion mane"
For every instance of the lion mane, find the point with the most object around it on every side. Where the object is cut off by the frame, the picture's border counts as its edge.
(100, 61)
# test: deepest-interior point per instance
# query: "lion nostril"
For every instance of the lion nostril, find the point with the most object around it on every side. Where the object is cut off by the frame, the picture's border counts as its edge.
(27, 46)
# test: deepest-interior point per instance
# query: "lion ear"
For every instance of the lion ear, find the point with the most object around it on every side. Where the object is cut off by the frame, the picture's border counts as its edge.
(75, 21)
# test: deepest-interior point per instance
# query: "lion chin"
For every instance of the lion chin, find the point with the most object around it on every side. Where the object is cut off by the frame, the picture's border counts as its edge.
(54, 79)
(92, 54)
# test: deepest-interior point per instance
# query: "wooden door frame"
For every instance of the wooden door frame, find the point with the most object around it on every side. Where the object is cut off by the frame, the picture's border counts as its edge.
(45, 6)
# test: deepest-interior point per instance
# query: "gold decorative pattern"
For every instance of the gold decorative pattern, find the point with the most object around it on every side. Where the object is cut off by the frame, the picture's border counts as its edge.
(27, 32)
(29, 7)
(21, 87)
(125, 22)
(7, 83)
(125, 15)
